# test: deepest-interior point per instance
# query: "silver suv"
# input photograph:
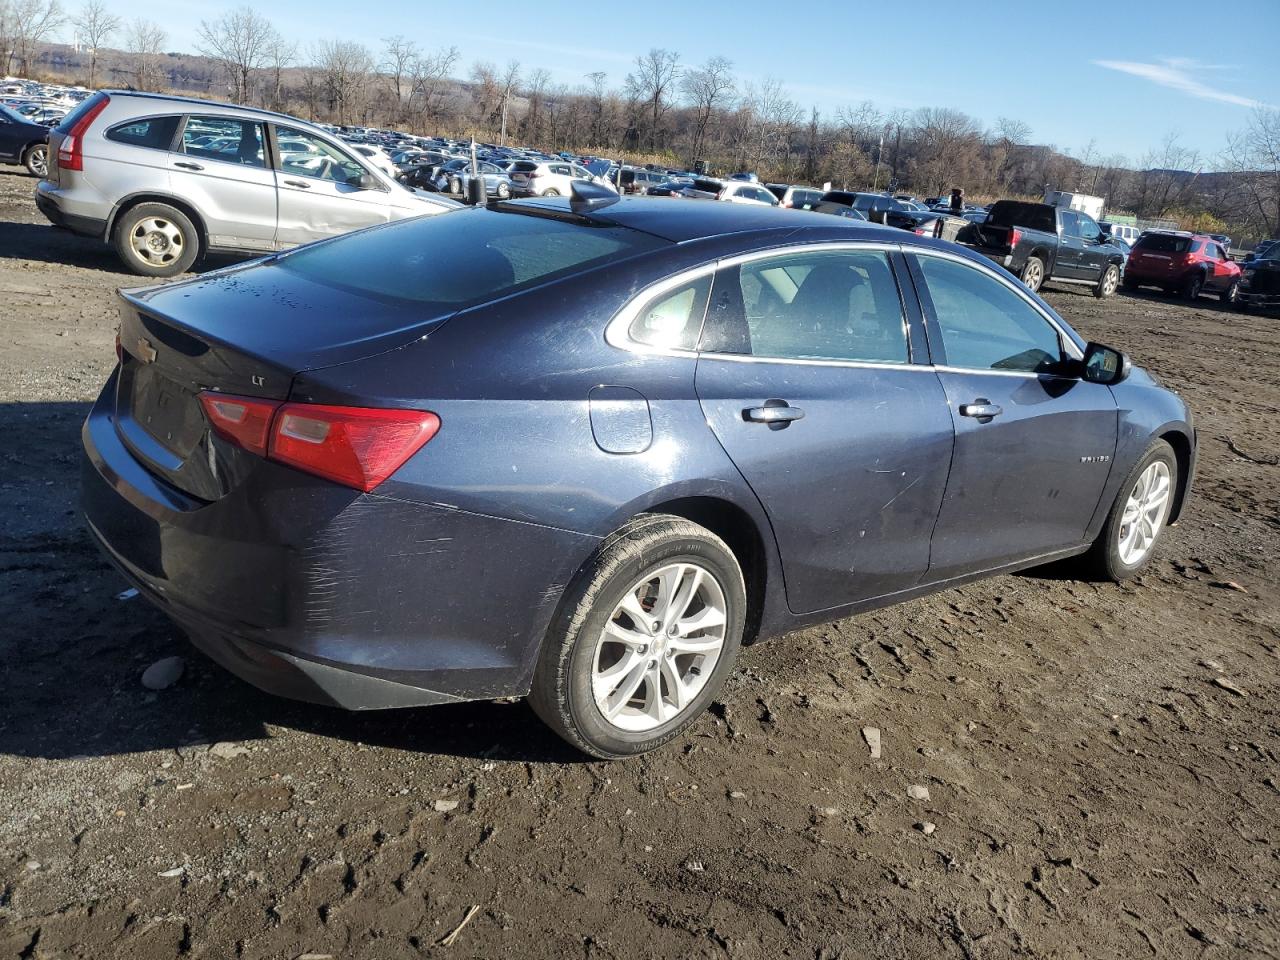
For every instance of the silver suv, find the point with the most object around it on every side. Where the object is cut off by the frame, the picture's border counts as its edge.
(167, 179)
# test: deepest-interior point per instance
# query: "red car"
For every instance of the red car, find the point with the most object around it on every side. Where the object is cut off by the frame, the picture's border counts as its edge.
(1185, 263)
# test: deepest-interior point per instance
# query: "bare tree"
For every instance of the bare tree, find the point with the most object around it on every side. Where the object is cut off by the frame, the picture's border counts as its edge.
(429, 78)
(1166, 178)
(344, 67)
(1253, 157)
(651, 83)
(239, 41)
(400, 56)
(32, 22)
(145, 42)
(709, 89)
(94, 25)
(510, 79)
(535, 92)
(281, 53)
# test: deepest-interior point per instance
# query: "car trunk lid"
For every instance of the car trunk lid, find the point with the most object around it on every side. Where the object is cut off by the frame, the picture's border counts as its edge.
(175, 346)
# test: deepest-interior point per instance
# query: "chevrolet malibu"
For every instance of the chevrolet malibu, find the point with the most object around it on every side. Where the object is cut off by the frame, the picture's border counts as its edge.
(582, 449)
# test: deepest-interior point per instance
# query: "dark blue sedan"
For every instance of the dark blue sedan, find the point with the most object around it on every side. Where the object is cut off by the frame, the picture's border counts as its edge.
(583, 450)
(23, 141)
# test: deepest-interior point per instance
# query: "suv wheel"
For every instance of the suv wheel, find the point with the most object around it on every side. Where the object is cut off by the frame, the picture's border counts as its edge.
(36, 160)
(1193, 285)
(504, 191)
(1033, 273)
(1108, 282)
(156, 240)
(551, 192)
(1229, 295)
(644, 639)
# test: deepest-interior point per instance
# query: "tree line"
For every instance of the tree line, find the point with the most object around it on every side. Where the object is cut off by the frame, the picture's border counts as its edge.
(665, 110)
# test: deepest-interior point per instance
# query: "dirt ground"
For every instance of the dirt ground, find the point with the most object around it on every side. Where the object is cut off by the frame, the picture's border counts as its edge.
(1101, 761)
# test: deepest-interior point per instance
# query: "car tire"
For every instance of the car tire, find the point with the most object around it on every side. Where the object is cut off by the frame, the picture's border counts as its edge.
(583, 687)
(1108, 558)
(156, 240)
(1107, 283)
(504, 191)
(1228, 296)
(1032, 274)
(36, 159)
(551, 192)
(455, 186)
(1192, 286)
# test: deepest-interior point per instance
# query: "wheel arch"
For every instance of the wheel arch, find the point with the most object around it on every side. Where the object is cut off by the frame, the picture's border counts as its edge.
(126, 204)
(1182, 452)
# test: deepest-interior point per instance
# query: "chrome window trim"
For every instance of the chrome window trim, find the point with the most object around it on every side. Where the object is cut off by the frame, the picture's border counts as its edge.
(617, 332)
(1013, 284)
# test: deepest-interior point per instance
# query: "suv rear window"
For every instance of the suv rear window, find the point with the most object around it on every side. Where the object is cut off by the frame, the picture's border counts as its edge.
(1163, 243)
(462, 257)
(86, 105)
(154, 132)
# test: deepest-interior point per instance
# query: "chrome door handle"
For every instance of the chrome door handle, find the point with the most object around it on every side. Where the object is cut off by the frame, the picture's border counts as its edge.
(776, 413)
(299, 183)
(981, 410)
(188, 166)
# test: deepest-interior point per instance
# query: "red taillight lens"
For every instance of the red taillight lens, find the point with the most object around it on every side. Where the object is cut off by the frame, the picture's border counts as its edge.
(244, 421)
(355, 446)
(1015, 237)
(71, 150)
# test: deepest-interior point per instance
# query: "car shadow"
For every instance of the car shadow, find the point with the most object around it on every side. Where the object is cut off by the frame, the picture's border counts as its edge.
(45, 243)
(75, 644)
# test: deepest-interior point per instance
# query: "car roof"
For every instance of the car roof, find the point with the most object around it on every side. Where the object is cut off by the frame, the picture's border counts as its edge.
(211, 106)
(702, 219)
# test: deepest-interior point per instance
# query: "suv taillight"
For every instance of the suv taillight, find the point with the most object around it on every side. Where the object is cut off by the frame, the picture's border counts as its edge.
(355, 446)
(71, 150)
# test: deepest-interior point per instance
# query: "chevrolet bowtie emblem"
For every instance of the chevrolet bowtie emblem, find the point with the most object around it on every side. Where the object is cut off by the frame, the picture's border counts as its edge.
(146, 352)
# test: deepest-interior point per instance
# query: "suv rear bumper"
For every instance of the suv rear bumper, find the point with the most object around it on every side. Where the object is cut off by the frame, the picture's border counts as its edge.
(54, 207)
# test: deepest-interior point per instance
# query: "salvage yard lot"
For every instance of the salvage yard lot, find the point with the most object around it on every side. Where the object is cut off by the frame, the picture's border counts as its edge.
(1102, 762)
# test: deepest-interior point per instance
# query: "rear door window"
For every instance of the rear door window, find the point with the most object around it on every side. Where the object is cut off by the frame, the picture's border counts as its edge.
(824, 305)
(673, 319)
(155, 133)
(225, 139)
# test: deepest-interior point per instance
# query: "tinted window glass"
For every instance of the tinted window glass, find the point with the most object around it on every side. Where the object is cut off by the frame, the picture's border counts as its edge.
(154, 132)
(829, 305)
(219, 138)
(673, 319)
(1014, 213)
(462, 257)
(1070, 224)
(1212, 252)
(72, 118)
(1162, 243)
(986, 325)
(303, 154)
(1089, 229)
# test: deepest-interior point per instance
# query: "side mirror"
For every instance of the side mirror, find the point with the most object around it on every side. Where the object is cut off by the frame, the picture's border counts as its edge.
(1249, 257)
(364, 181)
(1105, 365)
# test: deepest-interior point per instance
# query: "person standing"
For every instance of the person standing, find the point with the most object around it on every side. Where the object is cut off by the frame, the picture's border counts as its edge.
(957, 201)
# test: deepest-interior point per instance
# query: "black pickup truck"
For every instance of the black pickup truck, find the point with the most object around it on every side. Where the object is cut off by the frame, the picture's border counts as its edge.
(1038, 242)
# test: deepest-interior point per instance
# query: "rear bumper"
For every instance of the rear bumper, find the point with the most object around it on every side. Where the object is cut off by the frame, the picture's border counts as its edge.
(55, 209)
(312, 591)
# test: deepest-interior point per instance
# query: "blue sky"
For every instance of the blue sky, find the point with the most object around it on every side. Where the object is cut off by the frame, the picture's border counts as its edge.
(1123, 74)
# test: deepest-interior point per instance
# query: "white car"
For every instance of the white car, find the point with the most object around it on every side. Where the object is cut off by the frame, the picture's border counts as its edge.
(551, 178)
(378, 157)
(731, 191)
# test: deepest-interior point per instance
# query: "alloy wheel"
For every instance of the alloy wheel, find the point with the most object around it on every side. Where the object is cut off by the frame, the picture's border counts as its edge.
(38, 161)
(659, 647)
(1033, 276)
(1110, 281)
(1144, 513)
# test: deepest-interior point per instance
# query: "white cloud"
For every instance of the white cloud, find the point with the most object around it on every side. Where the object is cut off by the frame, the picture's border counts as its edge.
(1177, 73)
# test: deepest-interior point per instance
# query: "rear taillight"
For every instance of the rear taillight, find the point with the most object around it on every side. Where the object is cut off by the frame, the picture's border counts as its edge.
(354, 446)
(1015, 237)
(71, 150)
(244, 421)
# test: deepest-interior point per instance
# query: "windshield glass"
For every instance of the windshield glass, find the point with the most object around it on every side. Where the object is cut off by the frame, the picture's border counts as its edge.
(463, 257)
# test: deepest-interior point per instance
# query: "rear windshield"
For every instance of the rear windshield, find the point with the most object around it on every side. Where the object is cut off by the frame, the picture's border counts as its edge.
(1163, 243)
(1033, 216)
(70, 119)
(524, 166)
(463, 257)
